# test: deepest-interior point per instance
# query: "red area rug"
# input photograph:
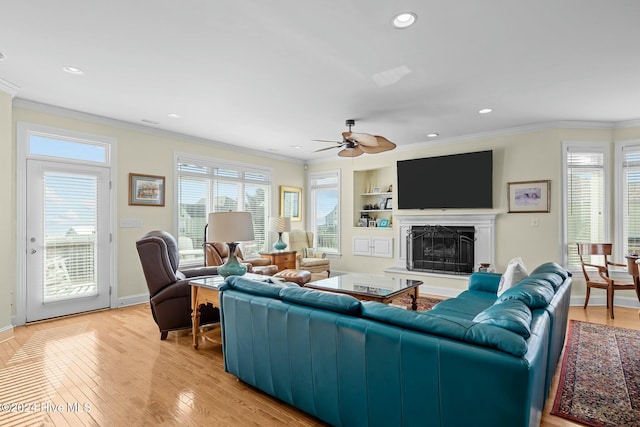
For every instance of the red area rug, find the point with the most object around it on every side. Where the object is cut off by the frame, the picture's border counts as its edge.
(424, 303)
(600, 377)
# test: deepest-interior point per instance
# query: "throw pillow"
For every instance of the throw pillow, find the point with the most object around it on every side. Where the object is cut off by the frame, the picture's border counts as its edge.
(515, 272)
(308, 252)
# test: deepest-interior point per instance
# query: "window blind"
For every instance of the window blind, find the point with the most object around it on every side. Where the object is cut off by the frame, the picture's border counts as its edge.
(585, 201)
(325, 209)
(631, 199)
(206, 186)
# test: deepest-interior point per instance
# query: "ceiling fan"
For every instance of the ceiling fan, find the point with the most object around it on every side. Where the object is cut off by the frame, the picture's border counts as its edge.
(354, 144)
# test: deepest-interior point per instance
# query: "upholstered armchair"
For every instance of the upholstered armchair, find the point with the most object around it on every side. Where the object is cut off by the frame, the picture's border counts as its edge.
(169, 289)
(218, 252)
(307, 257)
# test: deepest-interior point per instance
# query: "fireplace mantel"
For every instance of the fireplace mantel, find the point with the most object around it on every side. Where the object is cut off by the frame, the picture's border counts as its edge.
(483, 223)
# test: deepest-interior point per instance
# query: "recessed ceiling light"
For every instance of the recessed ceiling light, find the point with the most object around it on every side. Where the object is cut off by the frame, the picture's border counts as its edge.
(297, 147)
(485, 111)
(2, 56)
(404, 20)
(73, 70)
(174, 115)
(433, 135)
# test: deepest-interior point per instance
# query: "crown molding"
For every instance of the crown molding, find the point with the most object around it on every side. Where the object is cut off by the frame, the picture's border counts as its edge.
(627, 124)
(11, 88)
(93, 118)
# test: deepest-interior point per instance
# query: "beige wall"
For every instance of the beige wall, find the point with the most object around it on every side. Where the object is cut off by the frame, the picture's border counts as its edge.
(149, 153)
(7, 215)
(533, 155)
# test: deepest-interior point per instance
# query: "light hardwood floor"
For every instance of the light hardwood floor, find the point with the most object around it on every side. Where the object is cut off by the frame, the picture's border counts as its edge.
(110, 368)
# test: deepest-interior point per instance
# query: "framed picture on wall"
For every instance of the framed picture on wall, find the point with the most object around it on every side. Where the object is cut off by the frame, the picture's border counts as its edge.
(529, 196)
(291, 203)
(146, 190)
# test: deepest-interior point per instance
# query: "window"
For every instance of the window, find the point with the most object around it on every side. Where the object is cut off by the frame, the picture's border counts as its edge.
(629, 189)
(206, 185)
(586, 202)
(325, 210)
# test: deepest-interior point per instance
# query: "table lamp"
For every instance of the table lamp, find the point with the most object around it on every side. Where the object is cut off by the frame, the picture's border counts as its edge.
(280, 225)
(231, 228)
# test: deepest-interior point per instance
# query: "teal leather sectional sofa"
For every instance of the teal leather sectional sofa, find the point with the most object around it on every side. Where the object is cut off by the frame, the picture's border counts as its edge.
(473, 360)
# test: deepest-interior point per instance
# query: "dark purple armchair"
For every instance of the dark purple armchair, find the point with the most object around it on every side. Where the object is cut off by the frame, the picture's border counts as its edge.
(169, 289)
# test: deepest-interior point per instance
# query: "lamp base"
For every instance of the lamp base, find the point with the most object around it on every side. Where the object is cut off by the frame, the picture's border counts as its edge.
(280, 244)
(232, 267)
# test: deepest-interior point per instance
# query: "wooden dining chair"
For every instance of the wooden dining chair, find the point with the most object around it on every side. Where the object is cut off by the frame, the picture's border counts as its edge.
(600, 278)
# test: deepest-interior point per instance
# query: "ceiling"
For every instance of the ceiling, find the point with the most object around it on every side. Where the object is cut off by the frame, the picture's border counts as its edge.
(273, 75)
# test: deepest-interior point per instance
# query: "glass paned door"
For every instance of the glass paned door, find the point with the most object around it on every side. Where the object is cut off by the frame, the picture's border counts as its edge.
(67, 239)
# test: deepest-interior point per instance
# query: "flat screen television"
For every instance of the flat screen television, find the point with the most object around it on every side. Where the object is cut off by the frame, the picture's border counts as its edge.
(457, 181)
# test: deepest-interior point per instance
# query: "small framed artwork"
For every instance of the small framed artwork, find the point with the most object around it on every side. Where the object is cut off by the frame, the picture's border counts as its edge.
(375, 190)
(146, 190)
(372, 223)
(383, 223)
(388, 204)
(362, 222)
(291, 203)
(529, 196)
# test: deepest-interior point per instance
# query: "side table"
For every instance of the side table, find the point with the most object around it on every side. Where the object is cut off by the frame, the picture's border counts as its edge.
(285, 260)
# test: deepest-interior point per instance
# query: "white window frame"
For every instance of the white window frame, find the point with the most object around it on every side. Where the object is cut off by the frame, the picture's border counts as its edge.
(181, 157)
(311, 176)
(596, 147)
(619, 244)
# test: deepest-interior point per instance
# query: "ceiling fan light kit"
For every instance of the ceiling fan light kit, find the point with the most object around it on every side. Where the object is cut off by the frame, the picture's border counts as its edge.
(355, 144)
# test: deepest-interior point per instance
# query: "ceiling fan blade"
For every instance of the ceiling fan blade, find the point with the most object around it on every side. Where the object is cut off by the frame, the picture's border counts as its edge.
(383, 145)
(328, 148)
(351, 152)
(326, 140)
(361, 138)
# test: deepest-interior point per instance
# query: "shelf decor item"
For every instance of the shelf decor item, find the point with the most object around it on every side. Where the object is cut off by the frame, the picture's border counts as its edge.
(375, 190)
(383, 223)
(388, 204)
(146, 190)
(529, 196)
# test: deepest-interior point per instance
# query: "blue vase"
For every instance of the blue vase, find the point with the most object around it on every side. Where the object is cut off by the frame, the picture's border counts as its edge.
(280, 244)
(232, 267)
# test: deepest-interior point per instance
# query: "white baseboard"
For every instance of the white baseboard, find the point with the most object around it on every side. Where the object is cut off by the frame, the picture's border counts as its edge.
(6, 333)
(601, 300)
(132, 300)
(439, 292)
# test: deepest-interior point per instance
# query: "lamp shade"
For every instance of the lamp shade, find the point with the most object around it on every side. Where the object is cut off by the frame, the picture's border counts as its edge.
(280, 224)
(230, 227)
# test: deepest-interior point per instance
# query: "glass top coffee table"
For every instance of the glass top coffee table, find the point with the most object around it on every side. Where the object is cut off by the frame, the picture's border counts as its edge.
(370, 287)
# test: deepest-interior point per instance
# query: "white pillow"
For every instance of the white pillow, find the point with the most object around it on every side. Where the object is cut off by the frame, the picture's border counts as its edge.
(308, 252)
(514, 273)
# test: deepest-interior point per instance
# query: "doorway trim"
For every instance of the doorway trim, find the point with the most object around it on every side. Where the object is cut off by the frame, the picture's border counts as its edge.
(23, 131)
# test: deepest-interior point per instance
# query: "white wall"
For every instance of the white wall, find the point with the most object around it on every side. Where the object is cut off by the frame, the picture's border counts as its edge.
(531, 155)
(7, 216)
(148, 153)
(522, 156)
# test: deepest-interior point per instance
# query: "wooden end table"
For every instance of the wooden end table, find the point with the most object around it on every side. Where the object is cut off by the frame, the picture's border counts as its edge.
(285, 260)
(206, 290)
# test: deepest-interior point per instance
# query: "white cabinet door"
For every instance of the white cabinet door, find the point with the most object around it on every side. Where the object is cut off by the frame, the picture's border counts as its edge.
(362, 246)
(373, 246)
(382, 247)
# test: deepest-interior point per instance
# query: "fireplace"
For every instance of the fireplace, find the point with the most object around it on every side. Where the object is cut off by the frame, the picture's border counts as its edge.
(440, 249)
(483, 239)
